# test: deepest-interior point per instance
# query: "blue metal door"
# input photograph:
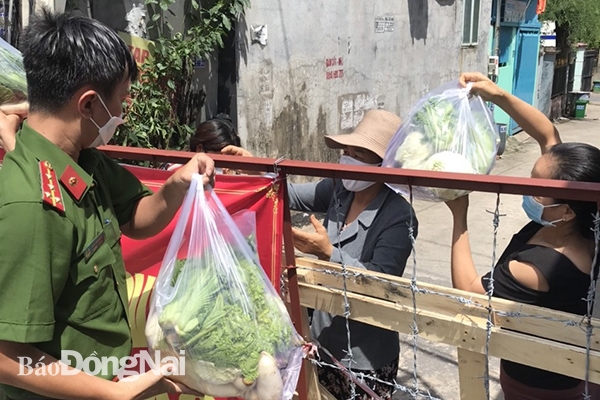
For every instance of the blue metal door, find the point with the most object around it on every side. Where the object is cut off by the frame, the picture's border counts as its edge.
(526, 62)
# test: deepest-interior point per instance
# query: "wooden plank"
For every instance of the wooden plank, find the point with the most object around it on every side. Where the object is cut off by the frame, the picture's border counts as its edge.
(464, 331)
(471, 371)
(547, 323)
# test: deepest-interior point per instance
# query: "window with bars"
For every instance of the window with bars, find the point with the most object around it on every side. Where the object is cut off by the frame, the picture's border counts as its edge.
(471, 22)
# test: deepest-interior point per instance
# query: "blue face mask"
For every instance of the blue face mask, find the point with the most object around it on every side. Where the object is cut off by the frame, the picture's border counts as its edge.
(534, 211)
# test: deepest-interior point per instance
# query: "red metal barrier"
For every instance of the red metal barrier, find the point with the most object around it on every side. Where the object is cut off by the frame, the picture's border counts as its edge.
(479, 183)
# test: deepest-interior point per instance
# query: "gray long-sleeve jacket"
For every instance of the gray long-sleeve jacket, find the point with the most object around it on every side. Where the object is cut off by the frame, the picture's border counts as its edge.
(378, 240)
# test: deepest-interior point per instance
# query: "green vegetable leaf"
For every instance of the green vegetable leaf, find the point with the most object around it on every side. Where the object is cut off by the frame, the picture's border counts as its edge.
(207, 320)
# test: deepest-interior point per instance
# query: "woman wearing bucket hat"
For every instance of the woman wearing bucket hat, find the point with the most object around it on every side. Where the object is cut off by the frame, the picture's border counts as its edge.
(366, 226)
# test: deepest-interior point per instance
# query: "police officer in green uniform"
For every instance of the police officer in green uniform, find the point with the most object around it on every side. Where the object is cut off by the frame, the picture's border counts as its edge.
(63, 207)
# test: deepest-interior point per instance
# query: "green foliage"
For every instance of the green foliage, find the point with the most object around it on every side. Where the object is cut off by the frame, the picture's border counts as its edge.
(579, 18)
(165, 100)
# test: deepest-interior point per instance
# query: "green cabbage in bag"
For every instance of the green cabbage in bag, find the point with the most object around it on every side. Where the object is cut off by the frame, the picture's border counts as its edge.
(213, 301)
(449, 130)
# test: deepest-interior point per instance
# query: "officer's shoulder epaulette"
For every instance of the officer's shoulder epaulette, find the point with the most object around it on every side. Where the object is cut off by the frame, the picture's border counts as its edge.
(51, 193)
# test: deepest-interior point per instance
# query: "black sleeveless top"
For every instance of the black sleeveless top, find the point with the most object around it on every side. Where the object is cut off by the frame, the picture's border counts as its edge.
(568, 287)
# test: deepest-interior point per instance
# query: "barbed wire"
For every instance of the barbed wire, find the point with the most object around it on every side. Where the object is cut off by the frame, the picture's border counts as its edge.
(349, 354)
(459, 299)
(414, 288)
(490, 293)
(394, 385)
(590, 303)
(586, 323)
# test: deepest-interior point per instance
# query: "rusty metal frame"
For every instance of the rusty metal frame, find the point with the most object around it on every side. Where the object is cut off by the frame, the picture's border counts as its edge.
(480, 183)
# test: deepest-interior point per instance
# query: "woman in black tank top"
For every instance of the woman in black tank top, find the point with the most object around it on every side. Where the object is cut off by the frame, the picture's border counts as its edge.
(548, 263)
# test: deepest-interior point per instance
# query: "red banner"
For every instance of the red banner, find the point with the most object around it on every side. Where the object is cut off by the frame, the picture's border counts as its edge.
(237, 192)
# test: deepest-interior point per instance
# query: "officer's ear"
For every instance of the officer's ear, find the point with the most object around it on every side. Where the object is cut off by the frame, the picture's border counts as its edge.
(85, 102)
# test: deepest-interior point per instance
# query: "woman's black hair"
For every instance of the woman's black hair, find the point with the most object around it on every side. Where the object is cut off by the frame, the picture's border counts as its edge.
(578, 162)
(215, 134)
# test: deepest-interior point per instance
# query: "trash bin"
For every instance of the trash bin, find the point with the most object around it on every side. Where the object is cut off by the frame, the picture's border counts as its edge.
(573, 98)
(502, 128)
(596, 87)
(580, 108)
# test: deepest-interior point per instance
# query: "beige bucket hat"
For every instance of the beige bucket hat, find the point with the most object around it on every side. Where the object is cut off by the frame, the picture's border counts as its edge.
(373, 133)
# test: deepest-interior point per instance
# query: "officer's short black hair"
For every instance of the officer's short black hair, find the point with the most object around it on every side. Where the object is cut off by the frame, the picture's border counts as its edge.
(64, 52)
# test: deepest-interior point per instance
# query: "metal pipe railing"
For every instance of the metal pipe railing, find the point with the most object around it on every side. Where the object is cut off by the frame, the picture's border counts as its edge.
(481, 183)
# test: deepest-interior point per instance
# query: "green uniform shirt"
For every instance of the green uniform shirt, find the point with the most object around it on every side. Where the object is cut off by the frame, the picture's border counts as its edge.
(62, 276)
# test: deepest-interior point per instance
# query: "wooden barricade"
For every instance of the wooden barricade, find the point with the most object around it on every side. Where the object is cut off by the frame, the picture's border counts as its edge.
(538, 337)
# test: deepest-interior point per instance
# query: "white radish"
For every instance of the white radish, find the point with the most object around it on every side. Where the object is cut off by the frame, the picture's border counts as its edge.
(269, 385)
(153, 331)
(241, 385)
(227, 390)
(192, 380)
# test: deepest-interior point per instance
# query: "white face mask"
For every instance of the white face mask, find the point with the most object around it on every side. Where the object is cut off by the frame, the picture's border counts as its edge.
(106, 132)
(352, 185)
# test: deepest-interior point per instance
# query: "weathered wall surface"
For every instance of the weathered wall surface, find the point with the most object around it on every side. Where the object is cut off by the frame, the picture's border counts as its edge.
(325, 63)
(545, 78)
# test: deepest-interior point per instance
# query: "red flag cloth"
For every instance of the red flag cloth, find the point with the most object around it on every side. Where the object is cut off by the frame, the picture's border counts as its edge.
(143, 258)
(237, 192)
(541, 6)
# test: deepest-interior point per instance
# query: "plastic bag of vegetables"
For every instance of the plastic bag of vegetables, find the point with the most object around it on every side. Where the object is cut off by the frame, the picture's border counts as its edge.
(448, 130)
(245, 220)
(213, 301)
(13, 83)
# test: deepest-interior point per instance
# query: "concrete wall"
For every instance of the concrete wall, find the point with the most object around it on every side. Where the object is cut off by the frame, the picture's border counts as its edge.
(579, 68)
(506, 76)
(325, 63)
(544, 79)
(596, 75)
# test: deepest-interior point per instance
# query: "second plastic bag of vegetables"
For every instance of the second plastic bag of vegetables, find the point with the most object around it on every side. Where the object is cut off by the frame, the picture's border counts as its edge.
(213, 302)
(448, 130)
(13, 84)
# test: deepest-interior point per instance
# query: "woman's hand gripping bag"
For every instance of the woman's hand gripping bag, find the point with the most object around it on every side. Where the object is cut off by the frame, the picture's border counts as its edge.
(448, 130)
(214, 303)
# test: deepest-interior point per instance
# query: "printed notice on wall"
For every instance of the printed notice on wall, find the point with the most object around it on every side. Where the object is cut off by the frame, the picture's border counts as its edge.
(353, 108)
(514, 10)
(384, 24)
(334, 68)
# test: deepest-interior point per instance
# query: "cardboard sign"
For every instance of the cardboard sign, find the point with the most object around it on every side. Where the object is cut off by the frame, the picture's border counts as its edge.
(140, 48)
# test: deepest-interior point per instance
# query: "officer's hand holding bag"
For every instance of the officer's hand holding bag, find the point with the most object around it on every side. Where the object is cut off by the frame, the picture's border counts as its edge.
(11, 116)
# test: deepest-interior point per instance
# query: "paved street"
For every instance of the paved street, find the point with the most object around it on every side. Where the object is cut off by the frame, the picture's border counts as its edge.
(437, 367)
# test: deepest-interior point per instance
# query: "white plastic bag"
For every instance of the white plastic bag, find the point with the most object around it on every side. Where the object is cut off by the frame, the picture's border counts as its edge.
(245, 220)
(213, 301)
(448, 130)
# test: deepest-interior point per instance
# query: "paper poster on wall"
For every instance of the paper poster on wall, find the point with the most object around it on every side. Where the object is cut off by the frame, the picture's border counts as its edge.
(140, 47)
